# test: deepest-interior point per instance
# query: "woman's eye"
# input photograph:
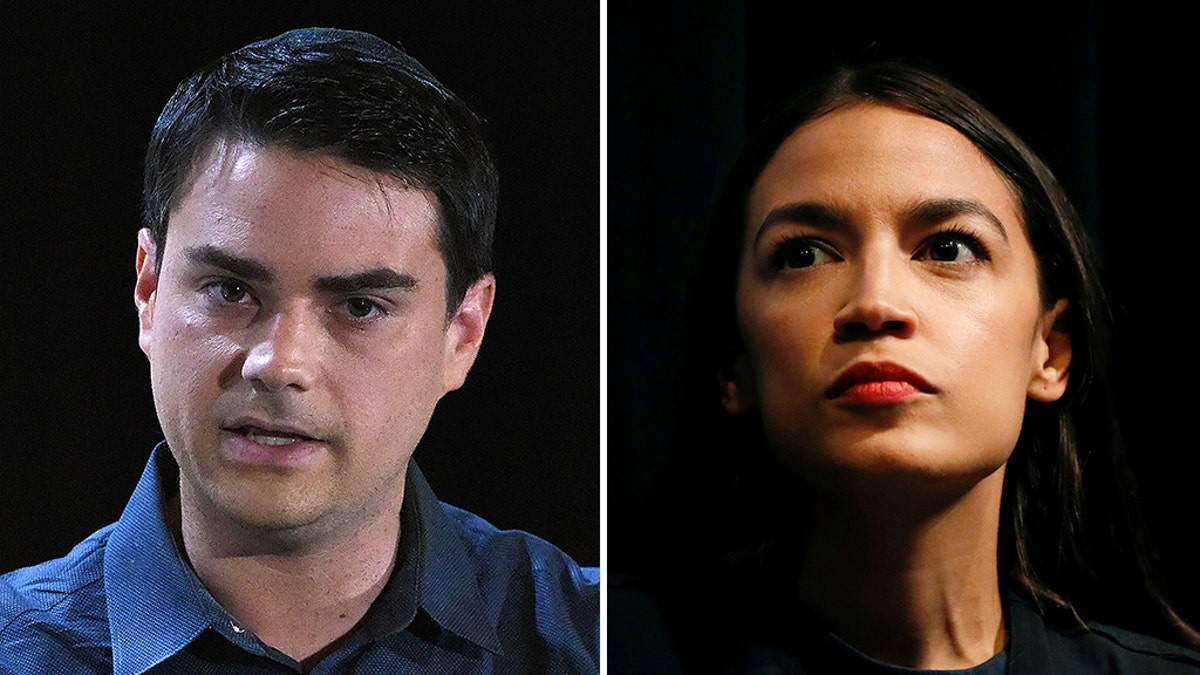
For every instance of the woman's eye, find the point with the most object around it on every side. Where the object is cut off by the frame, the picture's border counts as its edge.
(952, 248)
(799, 254)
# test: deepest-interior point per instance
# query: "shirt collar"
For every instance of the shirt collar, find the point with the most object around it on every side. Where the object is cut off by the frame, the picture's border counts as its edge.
(157, 606)
(154, 609)
(449, 580)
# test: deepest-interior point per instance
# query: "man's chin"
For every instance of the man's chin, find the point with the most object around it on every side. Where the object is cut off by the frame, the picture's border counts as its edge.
(266, 508)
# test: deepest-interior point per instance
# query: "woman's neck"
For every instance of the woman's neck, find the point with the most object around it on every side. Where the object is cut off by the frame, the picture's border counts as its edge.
(911, 582)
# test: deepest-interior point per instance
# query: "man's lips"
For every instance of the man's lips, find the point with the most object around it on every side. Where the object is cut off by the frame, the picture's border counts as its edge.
(878, 379)
(268, 433)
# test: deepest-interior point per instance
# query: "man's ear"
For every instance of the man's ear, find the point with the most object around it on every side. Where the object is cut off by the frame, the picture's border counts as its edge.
(1051, 356)
(145, 291)
(464, 334)
(738, 393)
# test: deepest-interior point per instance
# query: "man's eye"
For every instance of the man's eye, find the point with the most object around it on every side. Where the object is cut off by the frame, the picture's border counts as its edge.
(361, 308)
(231, 292)
(799, 254)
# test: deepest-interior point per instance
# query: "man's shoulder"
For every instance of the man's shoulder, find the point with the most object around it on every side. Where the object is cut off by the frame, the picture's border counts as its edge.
(54, 586)
(516, 553)
(531, 588)
(56, 608)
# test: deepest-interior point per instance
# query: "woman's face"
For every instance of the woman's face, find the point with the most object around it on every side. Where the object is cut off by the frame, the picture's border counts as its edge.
(889, 303)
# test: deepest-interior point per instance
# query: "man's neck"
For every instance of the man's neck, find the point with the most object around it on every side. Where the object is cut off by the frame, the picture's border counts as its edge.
(909, 584)
(301, 600)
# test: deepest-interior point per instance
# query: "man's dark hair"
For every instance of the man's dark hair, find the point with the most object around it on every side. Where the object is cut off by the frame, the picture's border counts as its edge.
(347, 94)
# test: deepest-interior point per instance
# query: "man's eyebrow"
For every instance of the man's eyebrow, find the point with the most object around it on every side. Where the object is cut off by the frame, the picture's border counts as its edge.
(244, 268)
(377, 278)
(933, 211)
(814, 214)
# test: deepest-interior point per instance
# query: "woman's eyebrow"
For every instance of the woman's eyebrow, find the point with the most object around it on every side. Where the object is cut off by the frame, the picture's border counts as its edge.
(933, 211)
(814, 214)
(925, 212)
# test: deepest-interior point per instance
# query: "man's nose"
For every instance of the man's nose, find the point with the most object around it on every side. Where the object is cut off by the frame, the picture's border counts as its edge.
(282, 353)
(878, 301)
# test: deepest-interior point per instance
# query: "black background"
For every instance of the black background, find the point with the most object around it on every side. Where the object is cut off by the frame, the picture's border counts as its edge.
(1102, 95)
(1098, 93)
(82, 84)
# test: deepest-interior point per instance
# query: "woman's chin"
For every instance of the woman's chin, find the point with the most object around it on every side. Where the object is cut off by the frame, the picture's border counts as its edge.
(890, 469)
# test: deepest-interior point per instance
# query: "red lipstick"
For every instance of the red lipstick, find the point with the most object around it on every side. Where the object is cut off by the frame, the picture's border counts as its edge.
(877, 383)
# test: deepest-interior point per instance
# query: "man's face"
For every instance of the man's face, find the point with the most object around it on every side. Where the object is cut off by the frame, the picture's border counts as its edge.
(298, 339)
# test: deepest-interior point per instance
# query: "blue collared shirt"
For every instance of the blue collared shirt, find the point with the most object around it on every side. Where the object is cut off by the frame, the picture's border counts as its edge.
(464, 598)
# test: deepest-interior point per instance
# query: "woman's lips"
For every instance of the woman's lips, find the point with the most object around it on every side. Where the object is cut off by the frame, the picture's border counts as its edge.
(879, 383)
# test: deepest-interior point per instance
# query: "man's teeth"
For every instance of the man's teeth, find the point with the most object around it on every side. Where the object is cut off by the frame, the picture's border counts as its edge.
(264, 439)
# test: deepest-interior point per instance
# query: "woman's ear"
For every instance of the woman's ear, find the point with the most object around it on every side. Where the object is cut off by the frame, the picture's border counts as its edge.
(737, 387)
(1051, 356)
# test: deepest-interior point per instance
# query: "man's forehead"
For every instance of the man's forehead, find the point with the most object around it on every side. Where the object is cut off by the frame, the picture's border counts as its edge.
(227, 160)
(247, 197)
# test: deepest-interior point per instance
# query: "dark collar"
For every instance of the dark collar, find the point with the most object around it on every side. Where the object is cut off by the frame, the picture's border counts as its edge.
(448, 576)
(157, 605)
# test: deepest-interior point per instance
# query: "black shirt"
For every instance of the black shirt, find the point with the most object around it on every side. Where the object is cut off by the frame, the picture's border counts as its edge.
(647, 635)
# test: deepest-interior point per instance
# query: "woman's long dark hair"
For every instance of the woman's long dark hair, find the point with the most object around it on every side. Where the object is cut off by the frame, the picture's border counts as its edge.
(1071, 533)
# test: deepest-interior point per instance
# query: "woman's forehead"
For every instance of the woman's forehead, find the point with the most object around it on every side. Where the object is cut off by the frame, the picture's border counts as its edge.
(871, 160)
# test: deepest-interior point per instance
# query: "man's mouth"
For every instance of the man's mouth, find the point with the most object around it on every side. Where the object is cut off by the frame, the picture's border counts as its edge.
(273, 444)
(269, 434)
(272, 439)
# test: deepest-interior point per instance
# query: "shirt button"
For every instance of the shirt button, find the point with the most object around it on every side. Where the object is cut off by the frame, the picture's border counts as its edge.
(236, 628)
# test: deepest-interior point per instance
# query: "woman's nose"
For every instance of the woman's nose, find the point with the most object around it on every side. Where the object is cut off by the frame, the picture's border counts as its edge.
(283, 355)
(878, 303)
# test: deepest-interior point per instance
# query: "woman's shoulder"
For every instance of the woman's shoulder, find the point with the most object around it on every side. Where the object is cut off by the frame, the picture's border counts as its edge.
(641, 638)
(1089, 648)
